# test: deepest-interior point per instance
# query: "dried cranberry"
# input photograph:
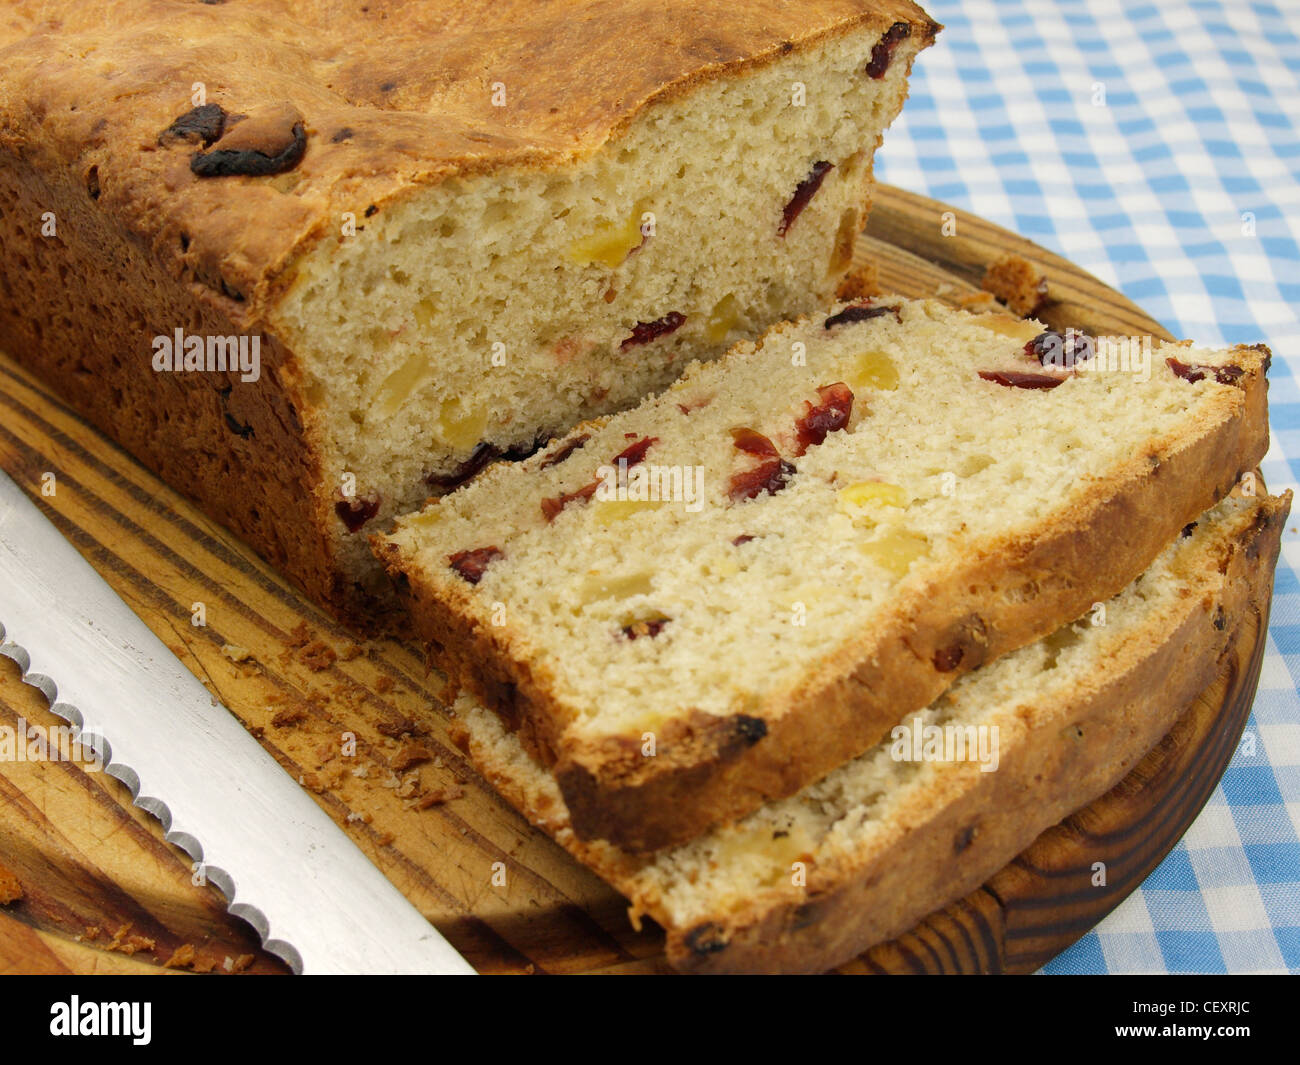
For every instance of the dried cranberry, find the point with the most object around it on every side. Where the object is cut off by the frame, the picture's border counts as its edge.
(652, 628)
(883, 52)
(827, 416)
(483, 455)
(1016, 379)
(1062, 352)
(803, 192)
(564, 451)
(1193, 372)
(770, 475)
(552, 507)
(354, 512)
(862, 312)
(478, 459)
(644, 332)
(743, 538)
(471, 564)
(635, 453)
(267, 144)
(753, 443)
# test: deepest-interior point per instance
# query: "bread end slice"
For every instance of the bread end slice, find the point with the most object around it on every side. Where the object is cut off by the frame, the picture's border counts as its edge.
(886, 842)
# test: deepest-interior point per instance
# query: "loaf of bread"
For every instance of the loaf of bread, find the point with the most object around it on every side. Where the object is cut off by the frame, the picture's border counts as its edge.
(313, 263)
(716, 598)
(860, 856)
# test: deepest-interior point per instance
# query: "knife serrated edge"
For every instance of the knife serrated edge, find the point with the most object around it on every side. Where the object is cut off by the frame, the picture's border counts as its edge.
(102, 748)
(340, 886)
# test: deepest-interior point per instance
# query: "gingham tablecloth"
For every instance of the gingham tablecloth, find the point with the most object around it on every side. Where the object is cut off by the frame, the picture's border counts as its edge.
(1157, 146)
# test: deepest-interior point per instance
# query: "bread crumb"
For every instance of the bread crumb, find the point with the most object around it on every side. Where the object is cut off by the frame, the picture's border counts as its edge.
(1017, 283)
(317, 656)
(979, 303)
(351, 651)
(289, 716)
(385, 838)
(236, 653)
(10, 889)
(242, 963)
(438, 796)
(182, 957)
(410, 753)
(396, 727)
(123, 942)
(299, 636)
(859, 284)
(384, 684)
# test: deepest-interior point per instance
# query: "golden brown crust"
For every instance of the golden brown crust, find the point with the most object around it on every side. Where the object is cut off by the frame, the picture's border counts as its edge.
(987, 604)
(381, 119)
(956, 834)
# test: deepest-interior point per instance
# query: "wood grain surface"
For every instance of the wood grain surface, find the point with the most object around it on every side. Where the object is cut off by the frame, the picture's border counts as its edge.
(100, 891)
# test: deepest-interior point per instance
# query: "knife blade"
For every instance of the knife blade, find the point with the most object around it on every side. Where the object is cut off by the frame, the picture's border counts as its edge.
(283, 865)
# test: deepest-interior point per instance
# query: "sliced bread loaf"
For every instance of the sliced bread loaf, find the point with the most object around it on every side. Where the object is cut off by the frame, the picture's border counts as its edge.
(718, 597)
(860, 856)
(435, 232)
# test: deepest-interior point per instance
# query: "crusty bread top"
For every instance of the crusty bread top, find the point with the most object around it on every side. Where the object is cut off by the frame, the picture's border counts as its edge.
(391, 96)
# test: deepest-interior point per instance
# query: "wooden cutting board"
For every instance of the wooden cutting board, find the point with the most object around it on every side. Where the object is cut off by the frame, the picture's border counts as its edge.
(102, 892)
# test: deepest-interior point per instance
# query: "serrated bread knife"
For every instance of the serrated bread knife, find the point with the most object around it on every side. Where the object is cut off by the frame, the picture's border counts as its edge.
(284, 866)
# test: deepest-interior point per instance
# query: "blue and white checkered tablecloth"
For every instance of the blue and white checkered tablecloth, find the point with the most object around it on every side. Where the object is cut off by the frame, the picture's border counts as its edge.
(1157, 145)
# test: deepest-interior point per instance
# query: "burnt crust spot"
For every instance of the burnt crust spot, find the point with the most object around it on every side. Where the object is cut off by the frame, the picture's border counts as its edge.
(965, 838)
(750, 729)
(1220, 619)
(968, 648)
(240, 429)
(199, 125)
(706, 939)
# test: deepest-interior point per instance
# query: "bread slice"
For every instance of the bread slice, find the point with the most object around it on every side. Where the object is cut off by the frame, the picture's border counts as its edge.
(859, 857)
(453, 229)
(679, 662)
